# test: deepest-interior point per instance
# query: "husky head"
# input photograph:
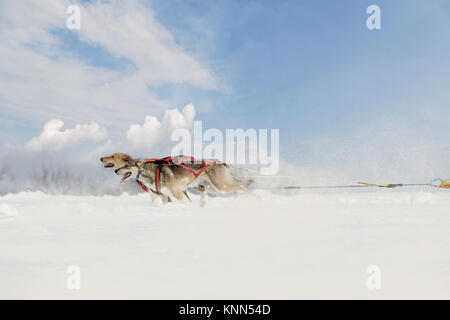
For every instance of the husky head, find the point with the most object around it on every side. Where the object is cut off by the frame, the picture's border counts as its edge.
(129, 170)
(116, 160)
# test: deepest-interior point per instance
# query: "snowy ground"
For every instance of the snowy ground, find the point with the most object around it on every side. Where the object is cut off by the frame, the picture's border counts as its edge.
(305, 245)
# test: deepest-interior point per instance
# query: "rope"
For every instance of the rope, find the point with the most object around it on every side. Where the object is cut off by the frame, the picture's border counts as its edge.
(314, 187)
(438, 183)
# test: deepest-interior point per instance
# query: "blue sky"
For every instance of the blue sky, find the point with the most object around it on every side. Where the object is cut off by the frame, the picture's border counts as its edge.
(288, 57)
(313, 69)
(310, 68)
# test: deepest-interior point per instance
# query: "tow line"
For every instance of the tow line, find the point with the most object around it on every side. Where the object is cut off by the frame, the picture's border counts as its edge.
(436, 183)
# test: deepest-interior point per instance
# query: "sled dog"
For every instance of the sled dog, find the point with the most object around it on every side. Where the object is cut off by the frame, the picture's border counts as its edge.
(172, 180)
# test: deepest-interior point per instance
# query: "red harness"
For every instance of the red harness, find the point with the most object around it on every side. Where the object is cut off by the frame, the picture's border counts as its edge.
(167, 161)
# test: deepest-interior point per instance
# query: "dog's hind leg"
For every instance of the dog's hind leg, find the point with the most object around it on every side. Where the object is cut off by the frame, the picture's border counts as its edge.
(201, 188)
(182, 196)
(238, 187)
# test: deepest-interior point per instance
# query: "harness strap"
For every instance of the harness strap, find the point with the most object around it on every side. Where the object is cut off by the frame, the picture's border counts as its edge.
(157, 179)
(195, 173)
(168, 161)
(143, 187)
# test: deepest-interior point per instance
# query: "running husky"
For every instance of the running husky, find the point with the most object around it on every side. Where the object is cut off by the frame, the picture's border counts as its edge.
(119, 160)
(169, 179)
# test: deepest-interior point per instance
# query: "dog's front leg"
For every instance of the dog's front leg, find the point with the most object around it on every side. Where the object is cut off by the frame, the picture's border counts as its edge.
(154, 197)
(165, 199)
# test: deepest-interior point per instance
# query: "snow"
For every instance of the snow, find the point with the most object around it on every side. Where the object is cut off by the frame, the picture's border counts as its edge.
(299, 245)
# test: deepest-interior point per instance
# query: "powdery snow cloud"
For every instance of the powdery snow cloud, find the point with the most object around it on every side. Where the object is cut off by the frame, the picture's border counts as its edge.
(53, 139)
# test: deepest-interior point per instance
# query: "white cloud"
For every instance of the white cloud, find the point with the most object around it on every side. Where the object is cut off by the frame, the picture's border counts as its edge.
(153, 134)
(174, 119)
(52, 138)
(129, 29)
(144, 135)
(39, 80)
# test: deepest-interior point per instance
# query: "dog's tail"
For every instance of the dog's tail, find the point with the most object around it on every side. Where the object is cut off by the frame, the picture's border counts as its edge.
(233, 166)
(242, 183)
